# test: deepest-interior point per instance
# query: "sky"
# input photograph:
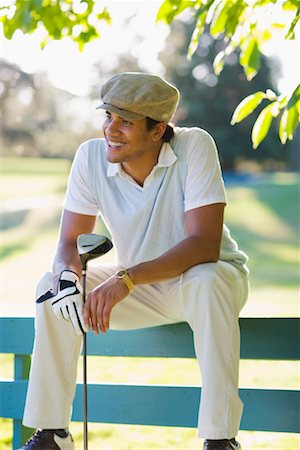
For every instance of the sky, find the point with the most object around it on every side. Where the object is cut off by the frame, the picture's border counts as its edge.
(71, 70)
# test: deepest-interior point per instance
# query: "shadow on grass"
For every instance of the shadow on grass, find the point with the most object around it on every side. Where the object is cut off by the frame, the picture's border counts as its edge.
(283, 200)
(266, 224)
(25, 235)
(11, 249)
(266, 267)
(12, 219)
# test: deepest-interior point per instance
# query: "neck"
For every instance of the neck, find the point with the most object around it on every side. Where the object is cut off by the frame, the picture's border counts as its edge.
(139, 169)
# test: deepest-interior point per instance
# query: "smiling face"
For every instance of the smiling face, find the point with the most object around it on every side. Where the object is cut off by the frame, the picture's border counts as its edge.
(131, 142)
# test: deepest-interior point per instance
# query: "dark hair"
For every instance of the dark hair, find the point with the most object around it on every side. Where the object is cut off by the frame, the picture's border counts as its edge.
(168, 134)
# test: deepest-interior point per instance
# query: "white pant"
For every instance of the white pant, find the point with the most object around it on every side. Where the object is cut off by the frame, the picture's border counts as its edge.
(208, 296)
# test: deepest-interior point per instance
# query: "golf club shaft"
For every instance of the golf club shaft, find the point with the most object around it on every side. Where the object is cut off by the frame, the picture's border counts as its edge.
(85, 406)
(89, 246)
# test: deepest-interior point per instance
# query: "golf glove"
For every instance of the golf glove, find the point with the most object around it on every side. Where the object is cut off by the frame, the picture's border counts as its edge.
(68, 302)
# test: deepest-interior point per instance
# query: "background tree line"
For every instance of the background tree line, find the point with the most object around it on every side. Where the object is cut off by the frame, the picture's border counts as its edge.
(37, 119)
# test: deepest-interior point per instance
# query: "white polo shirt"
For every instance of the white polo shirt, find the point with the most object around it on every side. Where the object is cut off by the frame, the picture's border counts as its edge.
(146, 221)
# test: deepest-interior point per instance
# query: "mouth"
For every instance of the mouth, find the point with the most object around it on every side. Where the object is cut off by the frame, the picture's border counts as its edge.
(115, 145)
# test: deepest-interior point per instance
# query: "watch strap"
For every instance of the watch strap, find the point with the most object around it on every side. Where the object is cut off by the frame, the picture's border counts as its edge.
(124, 275)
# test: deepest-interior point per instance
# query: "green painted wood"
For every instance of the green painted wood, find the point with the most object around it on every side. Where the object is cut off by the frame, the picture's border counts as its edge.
(12, 396)
(21, 434)
(265, 409)
(270, 338)
(22, 366)
(17, 439)
(164, 341)
(177, 406)
(16, 335)
(140, 404)
(262, 338)
(21, 372)
(271, 410)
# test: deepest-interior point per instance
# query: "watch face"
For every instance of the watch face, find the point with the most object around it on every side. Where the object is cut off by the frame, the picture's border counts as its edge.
(121, 273)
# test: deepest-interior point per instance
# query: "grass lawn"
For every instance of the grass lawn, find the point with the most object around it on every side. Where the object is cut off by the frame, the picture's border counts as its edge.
(263, 215)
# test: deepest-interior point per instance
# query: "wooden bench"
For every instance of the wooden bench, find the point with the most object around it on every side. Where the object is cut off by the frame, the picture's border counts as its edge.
(262, 338)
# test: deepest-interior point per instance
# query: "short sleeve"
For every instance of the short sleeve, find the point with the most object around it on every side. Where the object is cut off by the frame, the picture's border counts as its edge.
(78, 197)
(204, 182)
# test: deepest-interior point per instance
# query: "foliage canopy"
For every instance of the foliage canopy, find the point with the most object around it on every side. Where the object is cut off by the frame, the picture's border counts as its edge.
(244, 26)
(208, 100)
(79, 20)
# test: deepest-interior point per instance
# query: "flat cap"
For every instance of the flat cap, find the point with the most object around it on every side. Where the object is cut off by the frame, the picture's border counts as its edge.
(136, 95)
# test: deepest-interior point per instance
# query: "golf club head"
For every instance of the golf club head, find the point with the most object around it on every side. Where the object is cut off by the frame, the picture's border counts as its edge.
(91, 246)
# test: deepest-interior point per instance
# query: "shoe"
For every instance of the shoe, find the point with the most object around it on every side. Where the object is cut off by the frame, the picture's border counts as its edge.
(49, 440)
(221, 444)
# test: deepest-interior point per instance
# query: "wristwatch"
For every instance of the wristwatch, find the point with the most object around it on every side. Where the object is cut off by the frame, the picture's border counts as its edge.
(123, 275)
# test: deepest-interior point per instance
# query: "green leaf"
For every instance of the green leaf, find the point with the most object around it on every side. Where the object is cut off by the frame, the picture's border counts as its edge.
(271, 95)
(291, 116)
(291, 31)
(282, 127)
(250, 58)
(220, 18)
(234, 14)
(292, 121)
(247, 106)
(36, 4)
(262, 125)
(212, 9)
(8, 29)
(276, 109)
(218, 63)
(172, 8)
(288, 124)
(225, 16)
(199, 28)
(104, 15)
(194, 42)
(295, 98)
(283, 100)
(166, 8)
(85, 37)
(290, 5)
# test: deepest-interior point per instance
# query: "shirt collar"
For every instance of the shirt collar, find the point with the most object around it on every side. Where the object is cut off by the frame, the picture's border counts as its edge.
(166, 158)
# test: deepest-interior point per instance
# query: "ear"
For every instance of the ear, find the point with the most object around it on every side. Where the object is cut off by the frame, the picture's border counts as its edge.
(158, 131)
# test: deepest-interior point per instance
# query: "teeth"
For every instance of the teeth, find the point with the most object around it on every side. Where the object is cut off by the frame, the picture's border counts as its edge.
(115, 144)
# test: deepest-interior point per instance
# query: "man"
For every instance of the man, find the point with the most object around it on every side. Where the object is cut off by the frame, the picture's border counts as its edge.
(161, 195)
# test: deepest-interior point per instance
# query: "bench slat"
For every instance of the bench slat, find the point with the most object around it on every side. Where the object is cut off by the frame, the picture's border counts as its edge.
(265, 409)
(262, 338)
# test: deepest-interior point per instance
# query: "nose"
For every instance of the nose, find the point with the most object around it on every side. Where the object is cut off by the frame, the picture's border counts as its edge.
(111, 127)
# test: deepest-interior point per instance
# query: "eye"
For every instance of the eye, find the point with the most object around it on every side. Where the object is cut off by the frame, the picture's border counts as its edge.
(126, 122)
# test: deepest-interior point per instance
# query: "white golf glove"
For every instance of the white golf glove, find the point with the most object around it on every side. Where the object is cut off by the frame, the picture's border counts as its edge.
(68, 302)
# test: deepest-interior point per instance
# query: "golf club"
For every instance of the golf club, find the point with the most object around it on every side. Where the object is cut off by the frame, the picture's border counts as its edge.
(89, 246)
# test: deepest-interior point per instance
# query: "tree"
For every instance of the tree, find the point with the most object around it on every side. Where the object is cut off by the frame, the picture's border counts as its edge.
(245, 26)
(36, 118)
(208, 100)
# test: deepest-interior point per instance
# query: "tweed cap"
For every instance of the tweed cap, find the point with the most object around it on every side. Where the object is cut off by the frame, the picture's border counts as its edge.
(135, 95)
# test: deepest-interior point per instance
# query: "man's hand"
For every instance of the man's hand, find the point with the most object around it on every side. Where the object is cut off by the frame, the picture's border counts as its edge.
(100, 302)
(68, 302)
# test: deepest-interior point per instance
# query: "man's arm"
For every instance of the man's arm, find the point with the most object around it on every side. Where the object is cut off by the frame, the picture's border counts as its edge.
(203, 228)
(66, 257)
